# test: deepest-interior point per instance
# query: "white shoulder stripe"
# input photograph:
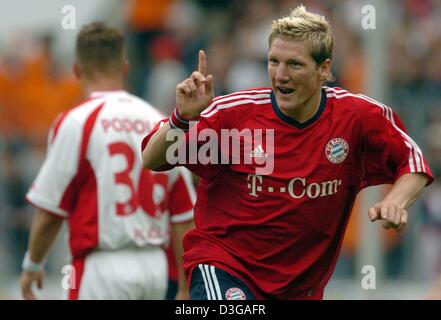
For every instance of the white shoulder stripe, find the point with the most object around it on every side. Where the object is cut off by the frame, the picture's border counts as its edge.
(411, 160)
(342, 93)
(418, 153)
(259, 91)
(234, 104)
(335, 90)
(386, 109)
(231, 97)
(417, 156)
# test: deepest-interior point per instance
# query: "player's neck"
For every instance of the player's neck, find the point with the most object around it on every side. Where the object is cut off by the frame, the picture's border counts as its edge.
(103, 84)
(308, 109)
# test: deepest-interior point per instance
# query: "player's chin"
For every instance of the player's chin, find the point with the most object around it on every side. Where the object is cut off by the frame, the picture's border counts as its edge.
(286, 103)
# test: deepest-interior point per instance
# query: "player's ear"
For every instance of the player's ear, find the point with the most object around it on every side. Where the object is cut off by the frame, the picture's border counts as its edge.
(325, 69)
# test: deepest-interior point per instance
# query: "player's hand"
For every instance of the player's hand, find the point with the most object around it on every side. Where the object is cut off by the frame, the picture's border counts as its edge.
(194, 93)
(394, 216)
(26, 281)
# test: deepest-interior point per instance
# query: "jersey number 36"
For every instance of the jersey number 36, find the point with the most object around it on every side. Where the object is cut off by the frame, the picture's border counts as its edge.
(143, 194)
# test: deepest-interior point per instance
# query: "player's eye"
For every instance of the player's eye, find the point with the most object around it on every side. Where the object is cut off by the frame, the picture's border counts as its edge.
(273, 61)
(295, 65)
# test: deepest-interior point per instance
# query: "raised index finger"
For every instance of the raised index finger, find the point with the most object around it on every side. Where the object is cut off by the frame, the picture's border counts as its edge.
(202, 67)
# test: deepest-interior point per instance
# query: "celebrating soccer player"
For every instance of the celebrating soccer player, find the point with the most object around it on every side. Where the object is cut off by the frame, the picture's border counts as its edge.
(277, 234)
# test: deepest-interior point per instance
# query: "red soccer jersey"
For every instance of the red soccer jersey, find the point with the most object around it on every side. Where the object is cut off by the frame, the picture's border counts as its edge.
(281, 232)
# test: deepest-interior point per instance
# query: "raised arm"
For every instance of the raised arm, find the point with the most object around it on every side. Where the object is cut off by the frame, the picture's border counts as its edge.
(192, 97)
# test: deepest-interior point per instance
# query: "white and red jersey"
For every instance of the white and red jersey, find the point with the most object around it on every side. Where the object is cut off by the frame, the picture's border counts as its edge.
(281, 232)
(93, 176)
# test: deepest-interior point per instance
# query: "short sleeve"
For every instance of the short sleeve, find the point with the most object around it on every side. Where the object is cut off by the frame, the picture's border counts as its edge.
(151, 133)
(388, 150)
(54, 180)
(200, 153)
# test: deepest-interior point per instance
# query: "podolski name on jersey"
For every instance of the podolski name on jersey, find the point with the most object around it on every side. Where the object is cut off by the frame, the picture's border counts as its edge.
(337, 150)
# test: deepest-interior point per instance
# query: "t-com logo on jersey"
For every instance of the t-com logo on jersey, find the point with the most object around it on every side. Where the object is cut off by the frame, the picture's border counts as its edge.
(297, 187)
(337, 150)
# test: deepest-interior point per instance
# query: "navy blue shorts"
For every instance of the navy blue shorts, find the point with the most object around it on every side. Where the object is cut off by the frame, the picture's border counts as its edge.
(211, 283)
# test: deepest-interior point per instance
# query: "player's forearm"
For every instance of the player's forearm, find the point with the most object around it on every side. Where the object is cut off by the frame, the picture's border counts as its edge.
(44, 230)
(179, 229)
(155, 153)
(406, 189)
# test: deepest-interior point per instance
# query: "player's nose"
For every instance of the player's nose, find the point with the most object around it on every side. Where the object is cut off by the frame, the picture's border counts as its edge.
(281, 74)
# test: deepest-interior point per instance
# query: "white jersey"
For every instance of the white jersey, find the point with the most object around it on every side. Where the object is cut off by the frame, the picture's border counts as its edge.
(93, 176)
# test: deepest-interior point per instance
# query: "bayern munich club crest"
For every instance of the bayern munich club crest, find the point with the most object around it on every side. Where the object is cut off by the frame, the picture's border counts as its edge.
(235, 294)
(337, 150)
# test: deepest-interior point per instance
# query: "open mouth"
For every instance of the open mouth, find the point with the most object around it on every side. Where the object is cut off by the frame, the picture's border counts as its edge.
(285, 90)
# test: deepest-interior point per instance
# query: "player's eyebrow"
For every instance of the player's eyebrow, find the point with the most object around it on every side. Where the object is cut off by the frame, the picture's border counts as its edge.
(294, 60)
(288, 61)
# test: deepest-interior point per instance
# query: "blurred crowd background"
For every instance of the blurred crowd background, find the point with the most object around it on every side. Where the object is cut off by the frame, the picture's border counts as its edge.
(163, 39)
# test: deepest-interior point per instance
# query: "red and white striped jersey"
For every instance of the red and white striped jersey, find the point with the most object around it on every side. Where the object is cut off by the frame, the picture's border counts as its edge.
(281, 231)
(93, 176)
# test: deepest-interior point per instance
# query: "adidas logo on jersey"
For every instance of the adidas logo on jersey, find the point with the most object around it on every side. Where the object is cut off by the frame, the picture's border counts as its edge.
(258, 152)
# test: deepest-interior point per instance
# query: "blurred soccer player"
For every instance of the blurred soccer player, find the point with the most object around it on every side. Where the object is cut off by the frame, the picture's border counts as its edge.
(118, 213)
(278, 235)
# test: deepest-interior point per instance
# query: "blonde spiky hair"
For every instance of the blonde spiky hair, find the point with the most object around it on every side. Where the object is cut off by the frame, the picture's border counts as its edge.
(304, 25)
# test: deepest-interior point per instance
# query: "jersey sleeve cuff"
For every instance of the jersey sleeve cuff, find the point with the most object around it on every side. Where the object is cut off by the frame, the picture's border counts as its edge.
(406, 170)
(46, 206)
(182, 217)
